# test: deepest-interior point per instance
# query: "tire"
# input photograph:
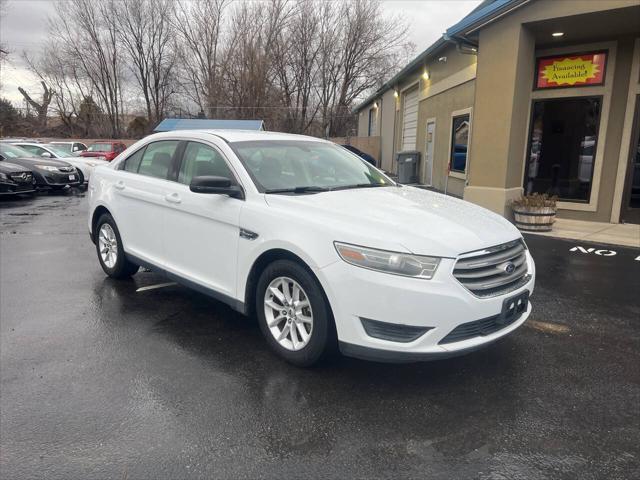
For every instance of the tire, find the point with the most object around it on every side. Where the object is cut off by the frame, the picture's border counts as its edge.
(116, 265)
(80, 179)
(321, 340)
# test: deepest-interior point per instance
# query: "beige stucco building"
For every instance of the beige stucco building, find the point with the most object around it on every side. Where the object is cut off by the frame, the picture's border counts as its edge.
(524, 96)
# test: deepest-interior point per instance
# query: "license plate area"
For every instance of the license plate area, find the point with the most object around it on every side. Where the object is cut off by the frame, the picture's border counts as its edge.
(72, 177)
(514, 307)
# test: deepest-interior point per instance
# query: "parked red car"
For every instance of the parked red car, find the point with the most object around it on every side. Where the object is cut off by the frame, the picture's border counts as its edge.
(108, 150)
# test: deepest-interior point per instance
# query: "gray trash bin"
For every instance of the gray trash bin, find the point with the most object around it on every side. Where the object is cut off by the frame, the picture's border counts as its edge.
(408, 167)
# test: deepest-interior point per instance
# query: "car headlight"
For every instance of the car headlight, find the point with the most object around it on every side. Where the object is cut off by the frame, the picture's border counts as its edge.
(397, 263)
(48, 168)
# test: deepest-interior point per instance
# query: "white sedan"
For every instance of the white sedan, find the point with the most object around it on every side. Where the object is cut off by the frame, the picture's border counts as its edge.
(327, 251)
(47, 150)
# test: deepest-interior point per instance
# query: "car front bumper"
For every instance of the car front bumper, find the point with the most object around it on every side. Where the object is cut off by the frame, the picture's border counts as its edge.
(13, 188)
(57, 179)
(438, 305)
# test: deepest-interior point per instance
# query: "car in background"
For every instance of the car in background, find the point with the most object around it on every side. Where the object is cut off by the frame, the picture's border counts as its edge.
(361, 154)
(85, 166)
(73, 148)
(15, 179)
(108, 150)
(49, 174)
(19, 139)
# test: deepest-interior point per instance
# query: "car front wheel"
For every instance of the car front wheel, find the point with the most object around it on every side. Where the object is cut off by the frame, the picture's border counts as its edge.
(293, 314)
(110, 252)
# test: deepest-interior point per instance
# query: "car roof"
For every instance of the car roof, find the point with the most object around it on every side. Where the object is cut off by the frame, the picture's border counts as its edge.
(233, 136)
(33, 144)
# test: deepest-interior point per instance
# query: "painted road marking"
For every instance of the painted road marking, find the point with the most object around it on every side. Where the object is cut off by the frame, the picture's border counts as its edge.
(601, 252)
(153, 287)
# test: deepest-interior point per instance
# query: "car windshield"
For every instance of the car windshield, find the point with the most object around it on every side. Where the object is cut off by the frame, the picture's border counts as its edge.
(60, 152)
(100, 147)
(11, 151)
(305, 166)
(66, 147)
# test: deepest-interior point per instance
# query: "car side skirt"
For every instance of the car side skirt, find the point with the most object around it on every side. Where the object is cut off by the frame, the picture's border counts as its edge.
(237, 305)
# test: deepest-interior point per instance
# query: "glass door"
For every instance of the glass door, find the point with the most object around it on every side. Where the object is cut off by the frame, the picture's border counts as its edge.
(562, 147)
(630, 212)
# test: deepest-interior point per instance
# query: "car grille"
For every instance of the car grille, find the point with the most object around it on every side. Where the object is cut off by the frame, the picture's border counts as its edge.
(22, 177)
(481, 328)
(493, 271)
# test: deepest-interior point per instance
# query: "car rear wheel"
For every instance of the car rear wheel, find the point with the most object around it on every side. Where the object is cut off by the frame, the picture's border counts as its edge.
(293, 314)
(109, 248)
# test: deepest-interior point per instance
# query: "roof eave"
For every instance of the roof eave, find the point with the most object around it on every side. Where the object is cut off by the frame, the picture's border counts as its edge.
(482, 17)
(410, 67)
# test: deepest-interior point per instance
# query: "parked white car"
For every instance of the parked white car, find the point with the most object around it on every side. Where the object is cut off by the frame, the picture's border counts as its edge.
(72, 148)
(325, 249)
(84, 165)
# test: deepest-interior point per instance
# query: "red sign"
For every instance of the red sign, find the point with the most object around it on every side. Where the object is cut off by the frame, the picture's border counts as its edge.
(571, 70)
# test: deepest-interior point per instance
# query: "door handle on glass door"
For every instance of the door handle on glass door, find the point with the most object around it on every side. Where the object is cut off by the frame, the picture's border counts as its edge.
(173, 198)
(119, 185)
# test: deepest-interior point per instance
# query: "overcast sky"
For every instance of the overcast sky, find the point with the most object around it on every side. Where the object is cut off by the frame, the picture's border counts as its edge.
(24, 27)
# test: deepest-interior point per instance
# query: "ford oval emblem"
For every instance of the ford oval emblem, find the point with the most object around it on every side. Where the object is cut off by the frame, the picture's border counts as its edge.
(509, 267)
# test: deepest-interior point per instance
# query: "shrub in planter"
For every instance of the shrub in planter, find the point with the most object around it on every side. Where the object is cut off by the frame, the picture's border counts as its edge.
(535, 212)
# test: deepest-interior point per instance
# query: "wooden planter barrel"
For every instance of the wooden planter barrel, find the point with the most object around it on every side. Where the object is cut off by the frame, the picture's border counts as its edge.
(534, 219)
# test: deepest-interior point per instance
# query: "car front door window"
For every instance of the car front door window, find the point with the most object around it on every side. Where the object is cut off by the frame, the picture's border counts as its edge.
(200, 160)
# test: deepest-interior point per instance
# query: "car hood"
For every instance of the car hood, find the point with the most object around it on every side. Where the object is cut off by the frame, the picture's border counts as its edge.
(32, 161)
(408, 218)
(8, 167)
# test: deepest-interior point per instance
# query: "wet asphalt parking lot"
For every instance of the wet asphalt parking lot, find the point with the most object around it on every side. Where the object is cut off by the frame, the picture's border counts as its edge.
(99, 380)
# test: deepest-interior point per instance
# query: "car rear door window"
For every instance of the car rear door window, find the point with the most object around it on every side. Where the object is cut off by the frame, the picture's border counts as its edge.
(200, 160)
(156, 159)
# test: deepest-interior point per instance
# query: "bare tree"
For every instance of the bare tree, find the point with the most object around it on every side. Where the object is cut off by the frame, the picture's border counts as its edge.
(147, 34)
(42, 107)
(67, 81)
(367, 49)
(88, 31)
(295, 60)
(198, 24)
(248, 72)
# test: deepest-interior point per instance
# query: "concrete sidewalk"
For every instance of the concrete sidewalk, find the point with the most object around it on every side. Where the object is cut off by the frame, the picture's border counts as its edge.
(608, 233)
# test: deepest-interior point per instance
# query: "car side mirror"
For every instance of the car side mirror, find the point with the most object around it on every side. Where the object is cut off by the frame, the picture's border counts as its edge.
(45, 155)
(215, 185)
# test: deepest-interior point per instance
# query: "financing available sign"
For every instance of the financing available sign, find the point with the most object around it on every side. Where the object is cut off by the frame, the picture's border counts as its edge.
(571, 70)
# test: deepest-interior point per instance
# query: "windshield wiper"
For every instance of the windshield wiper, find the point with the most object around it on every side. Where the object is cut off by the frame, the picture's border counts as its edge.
(307, 189)
(361, 185)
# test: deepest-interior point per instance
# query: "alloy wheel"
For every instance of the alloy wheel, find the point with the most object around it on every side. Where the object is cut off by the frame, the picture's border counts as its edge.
(108, 245)
(288, 313)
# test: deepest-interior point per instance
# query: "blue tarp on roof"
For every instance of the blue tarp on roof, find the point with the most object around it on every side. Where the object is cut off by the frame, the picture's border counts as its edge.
(169, 124)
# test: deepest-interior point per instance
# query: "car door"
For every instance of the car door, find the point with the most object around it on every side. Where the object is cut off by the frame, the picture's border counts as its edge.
(138, 199)
(202, 230)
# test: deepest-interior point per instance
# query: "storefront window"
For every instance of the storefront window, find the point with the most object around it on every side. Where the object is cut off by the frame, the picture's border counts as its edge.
(459, 143)
(562, 147)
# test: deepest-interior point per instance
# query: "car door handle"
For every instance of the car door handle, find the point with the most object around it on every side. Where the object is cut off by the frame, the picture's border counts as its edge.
(119, 185)
(173, 198)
